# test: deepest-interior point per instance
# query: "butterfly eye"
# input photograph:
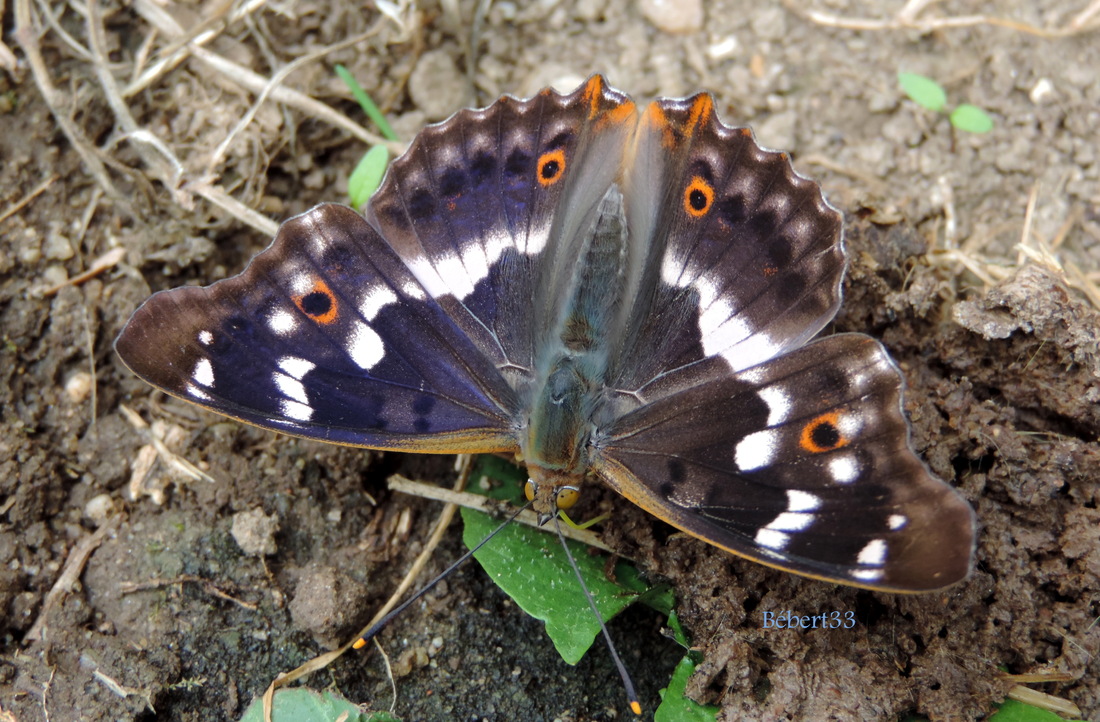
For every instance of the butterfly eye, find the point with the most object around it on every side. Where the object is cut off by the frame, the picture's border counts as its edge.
(529, 490)
(698, 197)
(551, 167)
(822, 434)
(567, 496)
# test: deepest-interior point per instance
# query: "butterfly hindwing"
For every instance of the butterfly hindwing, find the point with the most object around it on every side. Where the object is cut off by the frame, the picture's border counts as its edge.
(742, 258)
(802, 463)
(325, 335)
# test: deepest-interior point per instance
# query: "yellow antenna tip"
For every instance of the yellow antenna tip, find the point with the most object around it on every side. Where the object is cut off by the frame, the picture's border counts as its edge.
(636, 708)
(359, 644)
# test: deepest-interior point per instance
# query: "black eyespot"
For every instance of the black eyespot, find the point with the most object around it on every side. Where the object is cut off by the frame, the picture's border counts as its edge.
(317, 303)
(698, 197)
(825, 435)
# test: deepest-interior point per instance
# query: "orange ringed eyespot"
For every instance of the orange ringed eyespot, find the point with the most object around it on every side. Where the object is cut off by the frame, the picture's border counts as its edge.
(319, 303)
(698, 197)
(551, 167)
(822, 434)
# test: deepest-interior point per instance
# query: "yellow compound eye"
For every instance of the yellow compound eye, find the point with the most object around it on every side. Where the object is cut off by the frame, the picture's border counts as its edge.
(567, 496)
(529, 490)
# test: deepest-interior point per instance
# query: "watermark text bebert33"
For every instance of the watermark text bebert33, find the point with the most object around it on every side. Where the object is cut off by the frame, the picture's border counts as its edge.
(826, 620)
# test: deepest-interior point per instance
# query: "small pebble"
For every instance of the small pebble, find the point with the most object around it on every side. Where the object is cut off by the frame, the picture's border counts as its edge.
(437, 86)
(79, 387)
(1042, 91)
(254, 532)
(674, 16)
(99, 509)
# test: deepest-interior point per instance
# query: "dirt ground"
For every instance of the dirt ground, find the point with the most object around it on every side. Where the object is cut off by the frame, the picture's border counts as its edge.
(973, 259)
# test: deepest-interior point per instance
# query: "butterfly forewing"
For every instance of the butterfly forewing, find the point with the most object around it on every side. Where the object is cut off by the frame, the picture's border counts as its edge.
(801, 463)
(474, 209)
(739, 258)
(326, 335)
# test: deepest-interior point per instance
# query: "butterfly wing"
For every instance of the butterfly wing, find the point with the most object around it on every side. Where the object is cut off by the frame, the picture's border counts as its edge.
(735, 256)
(802, 463)
(725, 423)
(326, 335)
(489, 210)
(410, 329)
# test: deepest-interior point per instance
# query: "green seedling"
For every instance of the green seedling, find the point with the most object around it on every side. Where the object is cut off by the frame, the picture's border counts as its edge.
(929, 94)
(305, 705)
(367, 176)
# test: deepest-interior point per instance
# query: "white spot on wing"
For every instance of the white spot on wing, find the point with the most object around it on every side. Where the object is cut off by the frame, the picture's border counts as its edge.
(449, 268)
(843, 469)
(412, 289)
(375, 300)
(723, 330)
(291, 387)
(428, 277)
(301, 283)
(874, 554)
(206, 338)
(365, 346)
(195, 392)
(867, 575)
(797, 517)
(282, 322)
(779, 404)
(295, 410)
(756, 450)
(757, 348)
(849, 425)
(897, 521)
(296, 367)
(772, 539)
(536, 239)
(788, 521)
(798, 500)
(203, 373)
(457, 276)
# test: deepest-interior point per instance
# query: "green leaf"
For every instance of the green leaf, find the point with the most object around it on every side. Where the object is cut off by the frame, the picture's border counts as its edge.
(678, 632)
(498, 479)
(1013, 711)
(971, 118)
(367, 176)
(365, 102)
(923, 91)
(531, 567)
(299, 704)
(675, 707)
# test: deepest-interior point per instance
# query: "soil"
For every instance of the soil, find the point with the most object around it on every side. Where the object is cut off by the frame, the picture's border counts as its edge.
(188, 595)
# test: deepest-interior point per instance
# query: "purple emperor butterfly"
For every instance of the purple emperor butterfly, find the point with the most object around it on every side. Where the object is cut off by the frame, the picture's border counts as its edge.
(605, 291)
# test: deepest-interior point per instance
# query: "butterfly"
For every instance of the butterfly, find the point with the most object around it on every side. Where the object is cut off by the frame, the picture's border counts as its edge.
(606, 291)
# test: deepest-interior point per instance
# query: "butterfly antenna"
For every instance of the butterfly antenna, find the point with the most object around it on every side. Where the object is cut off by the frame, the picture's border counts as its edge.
(631, 695)
(381, 623)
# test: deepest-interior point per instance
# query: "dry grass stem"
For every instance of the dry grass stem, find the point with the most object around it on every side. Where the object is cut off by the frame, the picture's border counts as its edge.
(22, 202)
(26, 34)
(908, 19)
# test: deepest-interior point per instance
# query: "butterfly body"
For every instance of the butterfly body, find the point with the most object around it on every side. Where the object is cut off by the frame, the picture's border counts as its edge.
(605, 291)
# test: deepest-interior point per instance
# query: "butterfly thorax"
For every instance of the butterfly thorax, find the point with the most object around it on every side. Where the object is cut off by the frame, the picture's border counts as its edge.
(556, 448)
(570, 389)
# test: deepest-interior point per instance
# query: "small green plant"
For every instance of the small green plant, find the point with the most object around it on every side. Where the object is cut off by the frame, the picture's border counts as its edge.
(929, 94)
(367, 176)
